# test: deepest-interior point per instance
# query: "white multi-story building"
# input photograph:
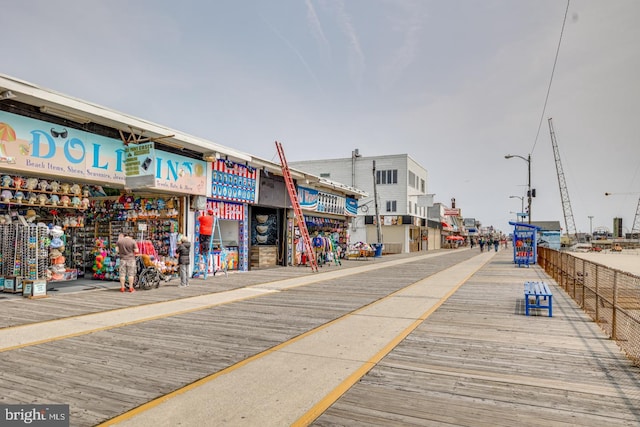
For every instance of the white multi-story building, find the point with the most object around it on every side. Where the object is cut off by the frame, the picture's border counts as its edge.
(402, 198)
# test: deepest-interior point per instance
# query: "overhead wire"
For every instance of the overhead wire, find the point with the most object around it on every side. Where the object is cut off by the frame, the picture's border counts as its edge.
(555, 61)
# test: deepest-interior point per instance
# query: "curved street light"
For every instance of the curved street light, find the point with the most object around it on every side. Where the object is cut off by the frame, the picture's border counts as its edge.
(528, 160)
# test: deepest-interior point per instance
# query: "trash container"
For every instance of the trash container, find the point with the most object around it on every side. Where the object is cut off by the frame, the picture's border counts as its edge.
(378, 249)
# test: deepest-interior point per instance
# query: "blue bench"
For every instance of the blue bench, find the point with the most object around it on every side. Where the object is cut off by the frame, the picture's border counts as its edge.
(535, 294)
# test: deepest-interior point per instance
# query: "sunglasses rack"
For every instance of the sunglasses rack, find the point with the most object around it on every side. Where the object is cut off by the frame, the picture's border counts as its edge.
(23, 251)
(7, 248)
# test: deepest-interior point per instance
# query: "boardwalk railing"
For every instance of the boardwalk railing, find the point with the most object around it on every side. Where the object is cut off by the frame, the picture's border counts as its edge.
(611, 297)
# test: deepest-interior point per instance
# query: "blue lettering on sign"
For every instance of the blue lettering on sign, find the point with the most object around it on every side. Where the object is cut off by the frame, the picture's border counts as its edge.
(74, 143)
(49, 142)
(44, 147)
(174, 169)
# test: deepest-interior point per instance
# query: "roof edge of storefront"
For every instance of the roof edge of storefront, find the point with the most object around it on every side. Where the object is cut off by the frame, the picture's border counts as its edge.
(37, 96)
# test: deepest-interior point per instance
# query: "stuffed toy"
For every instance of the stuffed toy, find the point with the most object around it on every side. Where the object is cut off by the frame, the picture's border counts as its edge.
(75, 189)
(65, 200)
(43, 185)
(85, 203)
(54, 186)
(75, 201)
(64, 188)
(32, 198)
(54, 199)
(19, 196)
(42, 199)
(7, 181)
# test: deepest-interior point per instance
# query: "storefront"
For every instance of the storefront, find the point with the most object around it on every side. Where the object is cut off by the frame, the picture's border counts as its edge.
(327, 218)
(233, 187)
(88, 188)
(267, 231)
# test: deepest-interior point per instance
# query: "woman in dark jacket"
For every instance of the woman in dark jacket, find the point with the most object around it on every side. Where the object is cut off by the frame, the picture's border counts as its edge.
(183, 250)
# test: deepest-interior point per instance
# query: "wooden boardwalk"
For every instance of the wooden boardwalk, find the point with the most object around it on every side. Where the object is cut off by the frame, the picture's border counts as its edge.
(477, 360)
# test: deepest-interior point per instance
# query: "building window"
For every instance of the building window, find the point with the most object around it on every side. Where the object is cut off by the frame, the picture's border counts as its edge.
(387, 176)
(391, 206)
(412, 179)
(422, 187)
(325, 175)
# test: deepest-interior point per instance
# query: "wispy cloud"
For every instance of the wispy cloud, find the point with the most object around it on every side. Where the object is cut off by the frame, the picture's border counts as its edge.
(316, 29)
(295, 51)
(410, 25)
(356, 58)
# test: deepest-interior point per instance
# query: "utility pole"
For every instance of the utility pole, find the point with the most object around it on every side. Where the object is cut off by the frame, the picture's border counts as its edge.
(375, 199)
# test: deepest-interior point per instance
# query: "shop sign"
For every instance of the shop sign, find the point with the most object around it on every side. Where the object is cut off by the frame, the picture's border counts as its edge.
(319, 201)
(234, 182)
(308, 198)
(452, 212)
(390, 219)
(139, 159)
(469, 222)
(34, 146)
(226, 210)
(351, 206)
(38, 147)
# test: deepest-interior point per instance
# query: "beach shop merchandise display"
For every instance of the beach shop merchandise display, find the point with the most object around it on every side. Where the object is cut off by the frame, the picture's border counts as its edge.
(53, 169)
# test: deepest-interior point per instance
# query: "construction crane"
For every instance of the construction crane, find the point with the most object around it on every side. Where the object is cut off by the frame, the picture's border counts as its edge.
(569, 222)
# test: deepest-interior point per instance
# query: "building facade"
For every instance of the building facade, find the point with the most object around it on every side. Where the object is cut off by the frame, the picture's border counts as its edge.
(397, 217)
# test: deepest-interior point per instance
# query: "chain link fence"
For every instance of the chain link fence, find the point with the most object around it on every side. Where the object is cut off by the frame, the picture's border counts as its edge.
(611, 297)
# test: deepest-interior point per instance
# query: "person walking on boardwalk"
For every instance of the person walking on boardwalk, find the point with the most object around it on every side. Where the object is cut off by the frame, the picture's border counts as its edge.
(496, 244)
(481, 244)
(183, 250)
(127, 249)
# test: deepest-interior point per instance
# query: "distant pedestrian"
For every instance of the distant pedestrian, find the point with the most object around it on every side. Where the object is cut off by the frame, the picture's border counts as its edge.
(127, 249)
(496, 244)
(183, 251)
(481, 243)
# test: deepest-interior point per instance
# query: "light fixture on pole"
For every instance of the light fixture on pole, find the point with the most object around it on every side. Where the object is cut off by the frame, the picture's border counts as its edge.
(521, 202)
(530, 193)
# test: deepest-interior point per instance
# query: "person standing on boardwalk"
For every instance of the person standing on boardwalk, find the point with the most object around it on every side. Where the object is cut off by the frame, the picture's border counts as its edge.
(183, 250)
(127, 249)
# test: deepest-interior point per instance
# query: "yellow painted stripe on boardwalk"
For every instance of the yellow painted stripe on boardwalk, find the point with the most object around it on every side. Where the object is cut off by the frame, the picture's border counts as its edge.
(338, 391)
(319, 408)
(260, 289)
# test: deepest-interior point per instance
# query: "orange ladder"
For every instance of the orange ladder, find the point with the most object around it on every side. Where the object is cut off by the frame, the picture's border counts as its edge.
(293, 195)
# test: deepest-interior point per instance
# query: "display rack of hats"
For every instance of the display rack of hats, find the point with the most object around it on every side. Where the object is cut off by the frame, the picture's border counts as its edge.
(17, 190)
(58, 270)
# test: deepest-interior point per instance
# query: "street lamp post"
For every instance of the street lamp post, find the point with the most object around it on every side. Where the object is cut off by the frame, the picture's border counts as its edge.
(521, 202)
(528, 160)
(590, 226)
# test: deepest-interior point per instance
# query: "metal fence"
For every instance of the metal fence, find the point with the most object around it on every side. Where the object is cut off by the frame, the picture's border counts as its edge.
(611, 297)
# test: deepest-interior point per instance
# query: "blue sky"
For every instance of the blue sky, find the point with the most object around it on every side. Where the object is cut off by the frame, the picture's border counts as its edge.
(455, 84)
